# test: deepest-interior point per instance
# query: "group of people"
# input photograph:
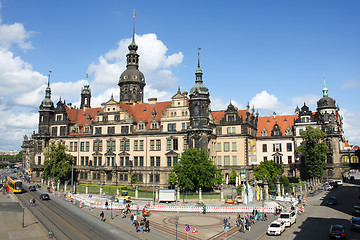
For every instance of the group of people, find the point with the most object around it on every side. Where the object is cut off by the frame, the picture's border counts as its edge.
(142, 225)
(244, 223)
(32, 202)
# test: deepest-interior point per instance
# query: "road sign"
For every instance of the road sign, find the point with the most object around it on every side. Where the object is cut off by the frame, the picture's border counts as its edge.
(90, 196)
(194, 230)
(187, 229)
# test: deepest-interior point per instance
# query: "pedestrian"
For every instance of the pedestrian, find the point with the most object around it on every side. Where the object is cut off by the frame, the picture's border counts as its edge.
(229, 222)
(265, 217)
(102, 216)
(225, 222)
(142, 225)
(137, 209)
(106, 205)
(204, 209)
(34, 202)
(31, 203)
(143, 211)
(135, 217)
(132, 219)
(137, 225)
(147, 225)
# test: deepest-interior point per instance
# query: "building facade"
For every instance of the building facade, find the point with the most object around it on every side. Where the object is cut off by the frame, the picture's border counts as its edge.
(112, 142)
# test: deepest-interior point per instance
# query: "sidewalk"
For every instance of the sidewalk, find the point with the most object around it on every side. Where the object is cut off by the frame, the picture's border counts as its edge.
(11, 216)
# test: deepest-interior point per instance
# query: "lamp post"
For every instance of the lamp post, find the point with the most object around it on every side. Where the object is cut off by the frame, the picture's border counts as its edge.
(176, 224)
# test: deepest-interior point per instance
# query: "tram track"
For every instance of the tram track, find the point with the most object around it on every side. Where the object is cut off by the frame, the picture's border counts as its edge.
(63, 224)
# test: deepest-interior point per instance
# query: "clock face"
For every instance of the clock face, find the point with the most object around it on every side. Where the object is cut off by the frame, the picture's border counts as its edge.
(135, 77)
(125, 77)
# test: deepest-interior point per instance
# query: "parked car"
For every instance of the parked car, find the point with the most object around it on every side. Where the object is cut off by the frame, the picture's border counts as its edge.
(334, 184)
(288, 217)
(331, 201)
(339, 182)
(355, 223)
(45, 196)
(32, 188)
(337, 232)
(276, 228)
(327, 187)
(356, 211)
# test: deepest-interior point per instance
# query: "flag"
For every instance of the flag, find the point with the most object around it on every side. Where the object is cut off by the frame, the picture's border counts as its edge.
(250, 192)
(245, 194)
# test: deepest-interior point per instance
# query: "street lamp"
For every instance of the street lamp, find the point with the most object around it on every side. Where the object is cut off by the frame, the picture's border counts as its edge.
(176, 224)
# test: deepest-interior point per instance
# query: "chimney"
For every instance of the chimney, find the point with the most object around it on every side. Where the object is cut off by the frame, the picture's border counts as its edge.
(274, 114)
(152, 101)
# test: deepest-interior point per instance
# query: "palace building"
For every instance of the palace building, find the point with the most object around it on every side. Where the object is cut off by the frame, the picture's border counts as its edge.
(112, 142)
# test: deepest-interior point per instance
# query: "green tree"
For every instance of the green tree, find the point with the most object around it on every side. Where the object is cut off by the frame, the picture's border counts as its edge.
(269, 169)
(195, 170)
(57, 164)
(133, 178)
(232, 177)
(172, 180)
(315, 151)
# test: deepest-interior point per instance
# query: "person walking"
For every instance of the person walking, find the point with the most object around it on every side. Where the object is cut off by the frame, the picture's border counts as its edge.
(132, 219)
(135, 218)
(106, 205)
(142, 225)
(204, 209)
(102, 216)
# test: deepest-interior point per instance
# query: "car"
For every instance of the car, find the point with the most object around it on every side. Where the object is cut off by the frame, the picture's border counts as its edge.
(355, 223)
(331, 201)
(45, 196)
(339, 182)
(288, 217)
(356, 211)
(276, 228)
(327, 187)
(32, 188)
(337, 232)
(334, 184)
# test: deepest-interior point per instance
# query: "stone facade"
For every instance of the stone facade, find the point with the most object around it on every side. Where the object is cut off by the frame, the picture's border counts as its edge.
(112, 142)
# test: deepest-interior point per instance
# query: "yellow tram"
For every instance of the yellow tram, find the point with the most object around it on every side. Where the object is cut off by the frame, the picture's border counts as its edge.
(14, 185)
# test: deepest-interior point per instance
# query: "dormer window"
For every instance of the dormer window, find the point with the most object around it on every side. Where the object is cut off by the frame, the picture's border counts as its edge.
(276, 130)
(288, 131)
(264, 132)
(105, 118)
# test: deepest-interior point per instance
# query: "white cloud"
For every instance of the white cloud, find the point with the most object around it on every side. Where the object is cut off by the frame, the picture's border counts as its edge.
(154, 63)
(309, 100)
(14, 34)
(350, 125)
(217, 104)
(351, 84)
(266, 101)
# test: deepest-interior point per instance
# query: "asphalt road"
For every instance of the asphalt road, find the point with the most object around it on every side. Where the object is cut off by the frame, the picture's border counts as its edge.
(69, 222)
(316, 221)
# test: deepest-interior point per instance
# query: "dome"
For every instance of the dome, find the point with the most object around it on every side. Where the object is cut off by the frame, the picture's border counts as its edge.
(130, 75)
(326, 102)
(200, 88)
(47, 103)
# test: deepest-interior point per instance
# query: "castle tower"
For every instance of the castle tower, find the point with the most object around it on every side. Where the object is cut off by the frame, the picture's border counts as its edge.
(46, 111)
(199, 106)
(132, 81)
(85, 94)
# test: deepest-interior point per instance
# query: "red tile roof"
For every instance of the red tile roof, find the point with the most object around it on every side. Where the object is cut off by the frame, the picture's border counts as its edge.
(218, 115)
(268, 122)
(79, 116)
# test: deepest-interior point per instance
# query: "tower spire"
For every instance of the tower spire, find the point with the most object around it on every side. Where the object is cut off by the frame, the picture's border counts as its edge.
(198, 72)
(199, 57)
(325, 90)
(49, 78)
(133, 36)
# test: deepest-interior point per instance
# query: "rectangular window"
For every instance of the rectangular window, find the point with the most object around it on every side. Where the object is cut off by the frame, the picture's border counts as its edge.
(87, 146)
(95, 146)
(157, 177)
(95, 161)
(186, 144)
(111, 130)
(158, 161)
(100, 146)
(183, 126)
(121, 161)
(86, 161)
(277, 147)
(226, 147)
(172, 127)
(39, 160)
(136, 161)
(82, 161)
(75, 146)
(169, 161)
(98, 130)
(265, 158)
(218, 147)
(289, 159)
(158, 145)
(75, 160)
(141, 161)
(175, 144)
(136, 145)
(233, 147)
(152, 145)
(264, 147)
(175, 160)
(152, 161)
(227, 160)
(218, 161)
(234, 160)
(141, 145)
(82, 146)
(124, 129)
(71, 147)
(168, 144)
(127, 161)
(289, 147)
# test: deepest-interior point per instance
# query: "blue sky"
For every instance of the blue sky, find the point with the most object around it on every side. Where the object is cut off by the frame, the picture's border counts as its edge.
(272, 54)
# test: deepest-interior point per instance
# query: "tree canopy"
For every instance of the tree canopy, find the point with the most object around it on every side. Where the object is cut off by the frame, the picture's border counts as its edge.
(269, 169)
(57, 164)
(315, 151)
(195, 170)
